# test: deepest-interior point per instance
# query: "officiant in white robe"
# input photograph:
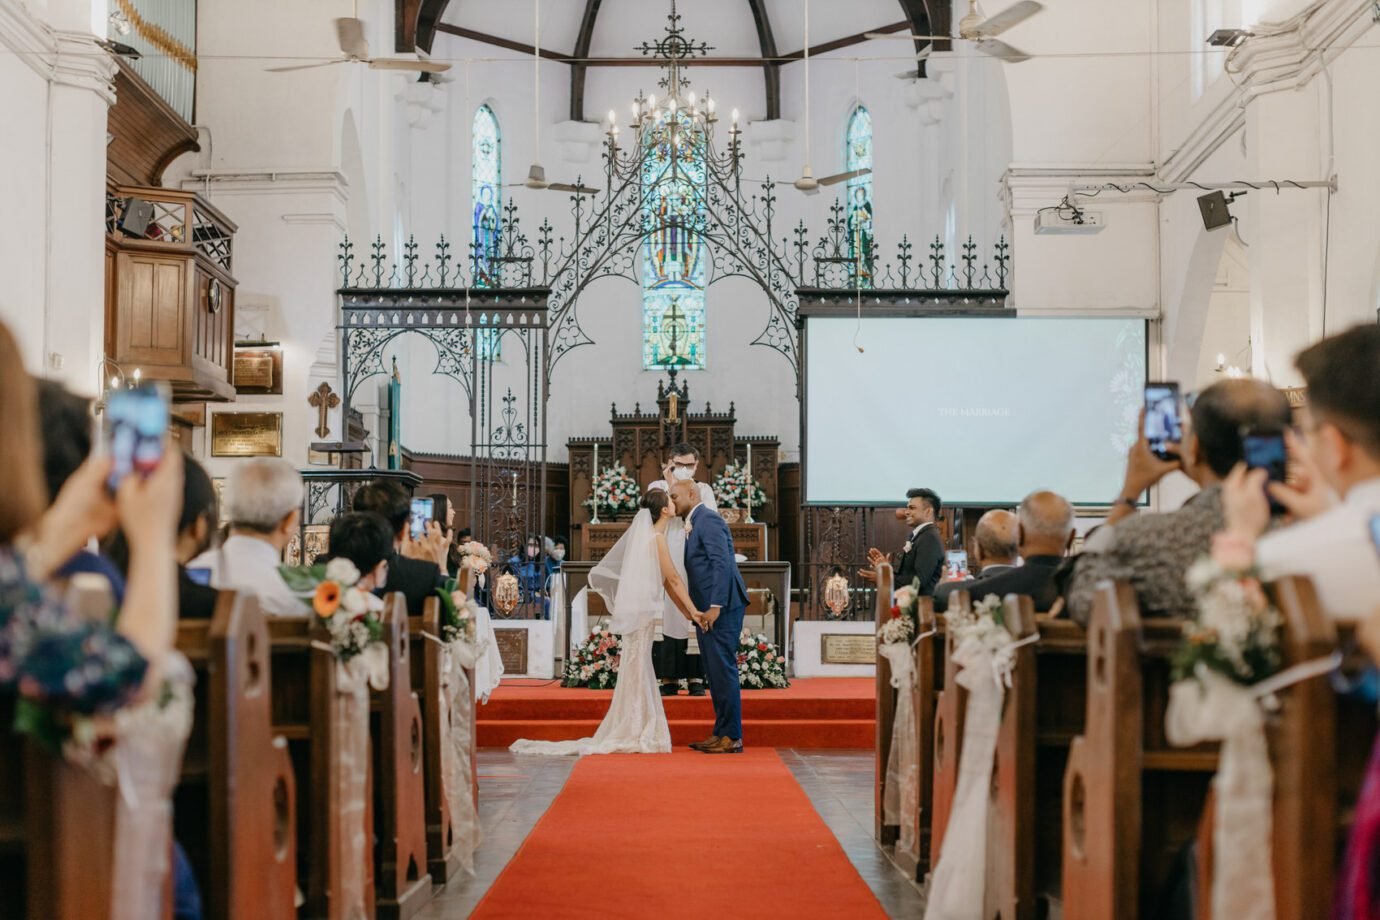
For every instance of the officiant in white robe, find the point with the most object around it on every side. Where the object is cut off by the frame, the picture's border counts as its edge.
(675, 654)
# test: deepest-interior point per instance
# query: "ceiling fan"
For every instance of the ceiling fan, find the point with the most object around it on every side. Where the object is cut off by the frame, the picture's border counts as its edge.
(807, 182)
(536, 173)
(355, 50)
(981, 31)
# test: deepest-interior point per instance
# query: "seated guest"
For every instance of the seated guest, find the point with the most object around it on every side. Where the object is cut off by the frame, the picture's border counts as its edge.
(1337, 454)
(997, 536)
(1045, 533)
(364, 538)
(922, 556)
(416, 578)
(48, 653)
(555, 555)
(1153, 551)
(263, 500)
(196, 599)
(66, 433)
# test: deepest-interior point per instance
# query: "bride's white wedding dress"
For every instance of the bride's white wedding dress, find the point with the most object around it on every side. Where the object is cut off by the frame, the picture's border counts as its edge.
(629, 579)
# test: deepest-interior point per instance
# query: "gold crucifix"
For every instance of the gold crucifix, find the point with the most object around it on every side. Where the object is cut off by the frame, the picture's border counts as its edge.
(323, 401)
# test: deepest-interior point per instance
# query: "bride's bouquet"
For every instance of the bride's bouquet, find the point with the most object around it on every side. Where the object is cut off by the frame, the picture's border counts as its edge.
(595, 661)
(760, 663)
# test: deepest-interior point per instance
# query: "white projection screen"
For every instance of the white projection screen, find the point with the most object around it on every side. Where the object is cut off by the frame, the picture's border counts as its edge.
(983, 410)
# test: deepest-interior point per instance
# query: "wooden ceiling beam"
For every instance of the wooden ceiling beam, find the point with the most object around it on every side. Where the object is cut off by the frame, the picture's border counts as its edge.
(771, 68)
(498, 41)
(428, 21)
(579, 68)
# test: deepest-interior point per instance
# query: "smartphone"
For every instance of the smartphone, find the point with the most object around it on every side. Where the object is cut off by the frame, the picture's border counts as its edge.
(423, 510)
(199, 576)
(1265, 449)
(1375, 531)
(136, 421)
(957, 564)
(1163, 425)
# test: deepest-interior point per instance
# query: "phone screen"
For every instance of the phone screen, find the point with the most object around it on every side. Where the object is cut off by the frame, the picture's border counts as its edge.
(1162, 423)
(200, 576)
(422, 511)
(957, 564)
(1375, 531)
(136, 420)
(1266, 450)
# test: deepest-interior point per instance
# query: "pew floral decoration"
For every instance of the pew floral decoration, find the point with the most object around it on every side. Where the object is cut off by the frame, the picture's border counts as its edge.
(350, 615)
(595, 662)
(760, 663)
(983, 628)
(1237, 632)
(459, 613)
(735, 488)
(905, 615)
(475, 555)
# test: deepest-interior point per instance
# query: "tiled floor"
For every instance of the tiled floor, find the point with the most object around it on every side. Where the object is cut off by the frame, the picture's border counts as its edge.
(516, 791)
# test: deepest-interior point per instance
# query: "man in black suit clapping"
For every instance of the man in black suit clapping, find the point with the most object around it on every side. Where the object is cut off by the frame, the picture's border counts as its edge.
(922, 556)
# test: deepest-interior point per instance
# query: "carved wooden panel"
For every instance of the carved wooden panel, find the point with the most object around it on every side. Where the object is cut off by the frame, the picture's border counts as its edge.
(151, 291)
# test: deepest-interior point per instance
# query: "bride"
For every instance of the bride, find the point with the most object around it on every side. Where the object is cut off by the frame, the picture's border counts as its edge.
(634, 579)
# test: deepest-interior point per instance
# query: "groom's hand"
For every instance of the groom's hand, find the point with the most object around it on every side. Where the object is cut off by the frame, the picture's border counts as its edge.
(708, 618)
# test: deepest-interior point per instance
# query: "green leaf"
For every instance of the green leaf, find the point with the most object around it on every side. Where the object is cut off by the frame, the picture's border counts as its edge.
(302, 579)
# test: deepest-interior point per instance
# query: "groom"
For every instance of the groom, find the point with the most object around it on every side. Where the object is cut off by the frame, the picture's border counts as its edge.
(720, 599)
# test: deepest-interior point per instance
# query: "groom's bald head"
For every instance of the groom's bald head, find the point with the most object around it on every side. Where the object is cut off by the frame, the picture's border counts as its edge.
(686, 495)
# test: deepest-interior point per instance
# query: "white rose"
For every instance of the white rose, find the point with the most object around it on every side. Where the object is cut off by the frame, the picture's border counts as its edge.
(354, 601)
(342, 572)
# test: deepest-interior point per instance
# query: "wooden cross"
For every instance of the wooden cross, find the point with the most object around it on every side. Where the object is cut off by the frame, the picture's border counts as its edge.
(323, 401)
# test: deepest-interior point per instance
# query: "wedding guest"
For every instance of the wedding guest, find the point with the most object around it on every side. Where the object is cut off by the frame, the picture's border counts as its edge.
(443, 512)
(263, 500)
(922, 556)
(1044, 532)
(555, 555)
(1153, 551)
(66, 433)
(366, 540)
(48, 654)
(413, 566)
(997, 537)
(1336, 493)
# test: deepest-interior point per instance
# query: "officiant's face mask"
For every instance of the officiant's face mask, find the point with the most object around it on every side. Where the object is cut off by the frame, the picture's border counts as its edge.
(683, 471)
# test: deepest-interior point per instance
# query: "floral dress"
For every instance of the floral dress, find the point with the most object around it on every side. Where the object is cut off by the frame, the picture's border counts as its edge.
(49, 655)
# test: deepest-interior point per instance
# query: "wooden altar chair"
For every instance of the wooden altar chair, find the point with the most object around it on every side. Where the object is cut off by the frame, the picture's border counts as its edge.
(235, 808)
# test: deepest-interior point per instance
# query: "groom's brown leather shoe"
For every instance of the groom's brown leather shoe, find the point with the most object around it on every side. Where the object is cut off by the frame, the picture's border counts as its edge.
(724, 746)
(706, 743)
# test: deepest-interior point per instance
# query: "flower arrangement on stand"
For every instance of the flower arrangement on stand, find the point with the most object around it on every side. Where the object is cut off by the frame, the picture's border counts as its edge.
(350, 615)
(735, 488)
(613, 491)
(760, 662)
(595, 662)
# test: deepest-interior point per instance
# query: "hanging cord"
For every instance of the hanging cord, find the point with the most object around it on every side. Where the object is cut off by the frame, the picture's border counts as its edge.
(857, 256)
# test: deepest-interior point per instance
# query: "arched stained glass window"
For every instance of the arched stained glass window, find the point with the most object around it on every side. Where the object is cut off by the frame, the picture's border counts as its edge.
(858, 155)
(486, 185)
(674, 254)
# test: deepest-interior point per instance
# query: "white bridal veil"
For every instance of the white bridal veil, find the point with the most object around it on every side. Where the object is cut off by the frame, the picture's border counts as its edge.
(629, 577)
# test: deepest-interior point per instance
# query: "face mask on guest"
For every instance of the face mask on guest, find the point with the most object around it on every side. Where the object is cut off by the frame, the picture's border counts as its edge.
(682, 473)
(558, 554)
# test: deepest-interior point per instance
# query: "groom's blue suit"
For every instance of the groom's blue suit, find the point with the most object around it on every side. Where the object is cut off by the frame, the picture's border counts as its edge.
(716, 582)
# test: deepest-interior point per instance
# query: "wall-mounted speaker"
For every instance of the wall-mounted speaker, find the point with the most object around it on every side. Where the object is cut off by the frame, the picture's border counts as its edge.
(1214, 210)
(137, 216)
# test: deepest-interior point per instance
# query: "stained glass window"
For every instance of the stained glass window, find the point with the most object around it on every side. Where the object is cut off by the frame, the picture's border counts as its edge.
(858, 155)
(674, 254)
(486, 184)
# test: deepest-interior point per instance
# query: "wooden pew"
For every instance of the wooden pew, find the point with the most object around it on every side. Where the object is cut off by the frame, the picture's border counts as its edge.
(886, 834)
(442, 858)
(404, 882)
(235, 808)
(1130, 799)
(949, 705)
(305, 705)
(57, 834)
(1042, 712)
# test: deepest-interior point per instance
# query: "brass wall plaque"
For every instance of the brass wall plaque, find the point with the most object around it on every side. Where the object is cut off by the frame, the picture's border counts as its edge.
(835, 648)
(512, 648)
(247, 434)
(259, 372)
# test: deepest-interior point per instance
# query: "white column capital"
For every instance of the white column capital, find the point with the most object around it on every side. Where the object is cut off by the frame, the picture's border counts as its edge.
(78, 61)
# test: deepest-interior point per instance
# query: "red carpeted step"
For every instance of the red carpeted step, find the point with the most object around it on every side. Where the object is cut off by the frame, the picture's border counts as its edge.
(592, 704)
(795, 733)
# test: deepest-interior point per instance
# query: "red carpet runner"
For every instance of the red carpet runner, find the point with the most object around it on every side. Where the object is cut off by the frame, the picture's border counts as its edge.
(819, 712)
(680, 835)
